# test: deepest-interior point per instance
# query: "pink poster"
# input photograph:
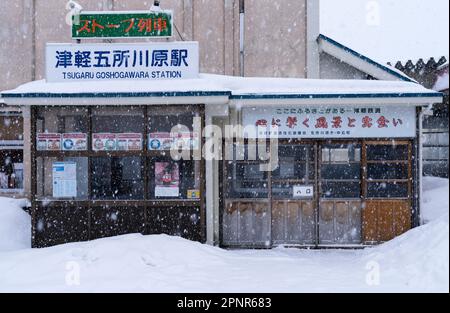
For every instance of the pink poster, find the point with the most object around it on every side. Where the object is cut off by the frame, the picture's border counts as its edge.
(167, 180)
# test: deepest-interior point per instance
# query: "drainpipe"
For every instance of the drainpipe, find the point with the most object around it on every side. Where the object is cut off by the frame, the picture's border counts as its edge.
(424, 111)
(312, 34)
(33, 40)
(241, 35)
(418, 222)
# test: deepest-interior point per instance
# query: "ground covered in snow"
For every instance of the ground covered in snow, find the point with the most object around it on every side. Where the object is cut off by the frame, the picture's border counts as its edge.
(418, 261)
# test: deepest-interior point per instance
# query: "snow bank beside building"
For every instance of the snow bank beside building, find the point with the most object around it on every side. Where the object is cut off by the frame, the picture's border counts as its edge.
(435, 199)
(417, 261)
(15, 225)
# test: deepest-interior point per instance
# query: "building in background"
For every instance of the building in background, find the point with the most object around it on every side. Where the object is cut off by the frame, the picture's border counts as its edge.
(433, 74)
(338, 61)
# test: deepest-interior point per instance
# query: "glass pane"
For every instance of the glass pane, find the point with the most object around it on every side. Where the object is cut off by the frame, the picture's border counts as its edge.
(251, 152)
(387, 171)
(11, 169)
(435, 153)
(435, 139)
(341, 190)
(174, 179)
(165, 122)
(387, 190)
(341, 171)
(292, 170)
(72, 181)
(387, 152)
(296, 152)
(61, 120)
(246, 181)
(173, 130)
(11, 128)
(117, 129)
(118, 120)
(117, 178)
(341, 153)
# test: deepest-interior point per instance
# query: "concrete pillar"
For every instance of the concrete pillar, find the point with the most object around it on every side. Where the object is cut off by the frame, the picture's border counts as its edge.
(26, 112)
(212, 180)
(312, 33)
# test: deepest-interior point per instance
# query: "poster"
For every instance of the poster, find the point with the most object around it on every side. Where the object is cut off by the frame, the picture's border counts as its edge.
(160, 141)
(64, 180)
(104, 142)
(114, 142)
(185, 141)
(168, 141)
(129, 142)
(193, 194)
(74, 142)
(167, 180)
(48, 142)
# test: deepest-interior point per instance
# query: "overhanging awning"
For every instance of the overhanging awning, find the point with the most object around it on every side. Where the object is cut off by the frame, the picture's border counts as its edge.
(218, 89)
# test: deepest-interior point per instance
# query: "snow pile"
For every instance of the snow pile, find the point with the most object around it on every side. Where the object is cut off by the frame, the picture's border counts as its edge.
(441, 82)
(417, 261)
(435, 203)
(420, 258)
(15, 225)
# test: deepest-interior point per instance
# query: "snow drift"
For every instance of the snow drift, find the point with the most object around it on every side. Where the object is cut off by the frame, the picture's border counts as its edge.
(15, 225)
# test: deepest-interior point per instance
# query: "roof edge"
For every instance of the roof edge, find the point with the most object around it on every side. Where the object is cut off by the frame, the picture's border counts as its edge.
(118, 94)
(338, 96)
(368, 60)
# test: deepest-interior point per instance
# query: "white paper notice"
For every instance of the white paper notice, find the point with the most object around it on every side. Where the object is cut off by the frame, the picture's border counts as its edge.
(169, 192)
(64, 180)
(303, 191)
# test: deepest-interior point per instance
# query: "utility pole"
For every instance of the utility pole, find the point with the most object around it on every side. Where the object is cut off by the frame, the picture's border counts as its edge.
(33, 39)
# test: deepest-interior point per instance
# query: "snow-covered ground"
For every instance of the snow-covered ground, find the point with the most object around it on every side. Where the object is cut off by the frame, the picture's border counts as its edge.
(418, 261)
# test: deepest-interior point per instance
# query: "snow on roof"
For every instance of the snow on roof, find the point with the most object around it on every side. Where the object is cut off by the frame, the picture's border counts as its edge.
(441, 82)
(116, 86)
(278, 86)
(211, 85)
(386, 68)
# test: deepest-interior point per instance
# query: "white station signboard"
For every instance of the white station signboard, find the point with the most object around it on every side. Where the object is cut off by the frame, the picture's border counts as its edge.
(133, 61)
(342, 121)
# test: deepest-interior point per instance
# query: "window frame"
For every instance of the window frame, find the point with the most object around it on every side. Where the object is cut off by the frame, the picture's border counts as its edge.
(408, 161)
(145, 154)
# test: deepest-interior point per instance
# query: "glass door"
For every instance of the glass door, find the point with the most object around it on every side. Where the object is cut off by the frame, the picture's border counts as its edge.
(340, 194)
(294, 195)
(246, 215)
